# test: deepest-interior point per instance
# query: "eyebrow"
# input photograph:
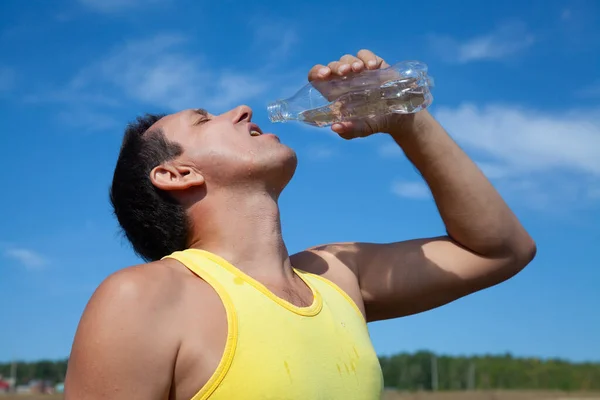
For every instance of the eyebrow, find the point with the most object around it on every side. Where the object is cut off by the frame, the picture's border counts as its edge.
(201, 111)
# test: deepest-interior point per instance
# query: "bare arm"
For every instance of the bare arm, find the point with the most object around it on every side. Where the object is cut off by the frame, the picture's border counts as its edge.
(123, 348)
(473, 211)
(485, 243)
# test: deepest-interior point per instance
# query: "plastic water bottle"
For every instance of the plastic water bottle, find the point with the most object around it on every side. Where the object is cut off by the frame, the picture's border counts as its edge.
(402, 88)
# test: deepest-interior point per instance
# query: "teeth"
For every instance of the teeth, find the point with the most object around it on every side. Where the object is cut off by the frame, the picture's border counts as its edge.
(254, 133)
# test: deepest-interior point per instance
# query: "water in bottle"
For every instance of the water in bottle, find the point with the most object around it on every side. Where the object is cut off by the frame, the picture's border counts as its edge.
(402, 88)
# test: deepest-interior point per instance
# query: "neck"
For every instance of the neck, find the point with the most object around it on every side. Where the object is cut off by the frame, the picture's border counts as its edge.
(244, 229)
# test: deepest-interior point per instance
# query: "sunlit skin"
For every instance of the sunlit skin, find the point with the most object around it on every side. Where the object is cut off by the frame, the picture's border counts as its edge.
(156, 331)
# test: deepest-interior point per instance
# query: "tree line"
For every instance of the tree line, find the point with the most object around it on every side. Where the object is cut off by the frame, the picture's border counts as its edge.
(53, 371)
(426, 371)
(422, 371)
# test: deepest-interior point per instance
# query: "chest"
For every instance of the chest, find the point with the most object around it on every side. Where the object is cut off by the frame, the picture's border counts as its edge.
(328, 355)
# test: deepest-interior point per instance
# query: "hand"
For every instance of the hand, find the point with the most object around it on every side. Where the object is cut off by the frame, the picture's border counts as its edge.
(348, 64)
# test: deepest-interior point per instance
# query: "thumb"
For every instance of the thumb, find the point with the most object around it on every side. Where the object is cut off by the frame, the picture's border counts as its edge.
(354, 129)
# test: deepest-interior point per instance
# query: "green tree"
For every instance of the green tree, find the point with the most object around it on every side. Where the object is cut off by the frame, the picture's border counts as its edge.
(414, 372)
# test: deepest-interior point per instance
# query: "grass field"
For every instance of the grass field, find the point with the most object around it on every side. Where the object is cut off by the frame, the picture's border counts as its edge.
(487, 395)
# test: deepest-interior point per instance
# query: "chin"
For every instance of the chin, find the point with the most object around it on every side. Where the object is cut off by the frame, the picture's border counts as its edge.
(291, 159)
(282, 168)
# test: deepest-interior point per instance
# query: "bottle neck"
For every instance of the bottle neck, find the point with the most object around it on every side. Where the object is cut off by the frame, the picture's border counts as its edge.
(278, 111)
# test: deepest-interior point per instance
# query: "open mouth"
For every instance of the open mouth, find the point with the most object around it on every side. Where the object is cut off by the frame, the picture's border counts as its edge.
(254, 130)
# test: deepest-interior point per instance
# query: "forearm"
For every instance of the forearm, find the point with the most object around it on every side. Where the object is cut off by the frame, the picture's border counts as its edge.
(473, 211)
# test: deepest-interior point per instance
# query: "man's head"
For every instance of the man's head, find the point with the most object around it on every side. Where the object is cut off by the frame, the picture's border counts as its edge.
(168, 164)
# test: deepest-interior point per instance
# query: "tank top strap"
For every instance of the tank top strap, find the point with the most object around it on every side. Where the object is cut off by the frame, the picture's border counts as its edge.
(213, 275)
(202, 264)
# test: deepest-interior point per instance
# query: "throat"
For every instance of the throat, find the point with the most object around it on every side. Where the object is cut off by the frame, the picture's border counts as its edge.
(245, 231)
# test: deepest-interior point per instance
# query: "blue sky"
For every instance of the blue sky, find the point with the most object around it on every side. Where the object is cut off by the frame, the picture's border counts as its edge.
(518, 86)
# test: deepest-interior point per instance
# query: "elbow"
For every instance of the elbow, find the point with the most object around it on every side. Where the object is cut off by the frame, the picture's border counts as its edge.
(521, 254)
(525, 249)
(512, 261)
(530, 251)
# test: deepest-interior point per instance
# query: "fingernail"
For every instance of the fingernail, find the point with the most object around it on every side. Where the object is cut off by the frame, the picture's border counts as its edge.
(372, 63)
(344, 68)
(323, 71)
(356, 65)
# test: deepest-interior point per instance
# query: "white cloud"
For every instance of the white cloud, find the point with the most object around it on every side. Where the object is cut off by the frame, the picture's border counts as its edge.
(111, 6)
(494, 171)
(546, 160)
(26, 257)
(153, 70)
(526, 140)
(176, 79)
(411, 189)
(165, 72)
(159, 71)
(505, 41)
(8, 77)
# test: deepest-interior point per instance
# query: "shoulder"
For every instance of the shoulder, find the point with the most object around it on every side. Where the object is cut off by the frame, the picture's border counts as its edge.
(141, 286)
(124, 326)
(130, 301)
(134, 318)
(153, 290)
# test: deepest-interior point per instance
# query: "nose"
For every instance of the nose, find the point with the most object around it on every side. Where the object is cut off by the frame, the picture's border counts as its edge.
(242, 114)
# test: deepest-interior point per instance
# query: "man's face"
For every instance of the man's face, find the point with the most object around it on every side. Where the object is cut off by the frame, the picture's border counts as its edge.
(229, 148)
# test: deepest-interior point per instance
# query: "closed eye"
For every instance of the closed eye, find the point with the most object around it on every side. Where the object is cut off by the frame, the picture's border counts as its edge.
(201, 120)
(203, 116)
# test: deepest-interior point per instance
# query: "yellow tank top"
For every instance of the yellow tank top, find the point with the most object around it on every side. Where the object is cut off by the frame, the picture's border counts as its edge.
(276, 350)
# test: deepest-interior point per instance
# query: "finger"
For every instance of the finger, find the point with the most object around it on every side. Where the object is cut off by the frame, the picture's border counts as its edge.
(350, 129)
(371, 60)
(339, 68)
(343, 130)
(319, 71)
(355, 62)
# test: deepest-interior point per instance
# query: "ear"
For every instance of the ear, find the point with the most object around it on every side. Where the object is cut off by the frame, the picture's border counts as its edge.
(175, 177)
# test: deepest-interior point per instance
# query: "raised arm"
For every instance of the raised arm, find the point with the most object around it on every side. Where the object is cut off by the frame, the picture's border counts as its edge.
(485, 243)
(123, 348)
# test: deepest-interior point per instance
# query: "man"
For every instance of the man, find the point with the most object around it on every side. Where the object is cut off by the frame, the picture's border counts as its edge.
(222, 312)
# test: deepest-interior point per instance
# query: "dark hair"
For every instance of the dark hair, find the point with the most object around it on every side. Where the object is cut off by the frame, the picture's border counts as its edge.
(155, 224)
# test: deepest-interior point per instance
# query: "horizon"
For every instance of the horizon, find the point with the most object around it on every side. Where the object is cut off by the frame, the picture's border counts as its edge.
(437, 355)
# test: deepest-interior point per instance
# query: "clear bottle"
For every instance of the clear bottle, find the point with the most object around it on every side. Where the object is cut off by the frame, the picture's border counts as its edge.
(401, 88)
